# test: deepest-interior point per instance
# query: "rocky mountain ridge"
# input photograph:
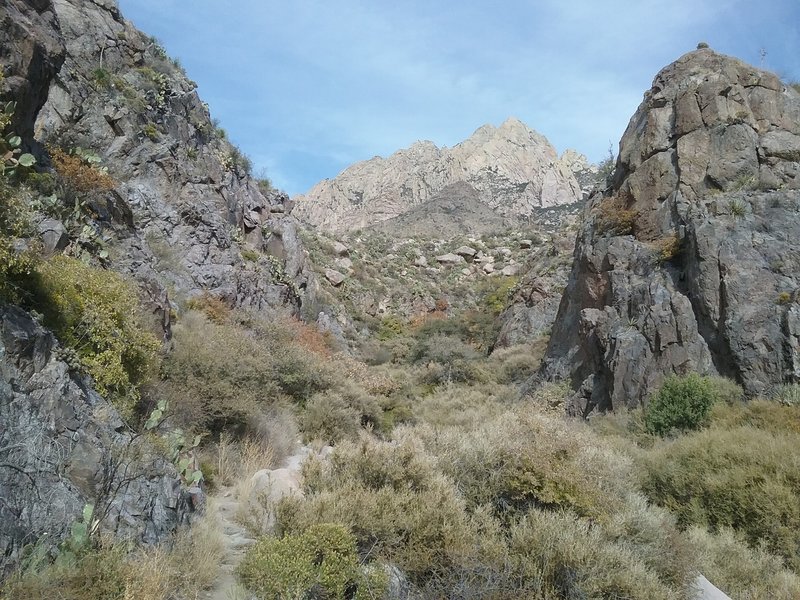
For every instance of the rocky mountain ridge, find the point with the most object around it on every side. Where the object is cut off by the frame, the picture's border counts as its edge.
(513, 169)
(149, 187)
(688, 262)
(186, 210)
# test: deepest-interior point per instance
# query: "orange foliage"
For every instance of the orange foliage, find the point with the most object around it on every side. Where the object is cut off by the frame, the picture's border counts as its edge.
(78, 175)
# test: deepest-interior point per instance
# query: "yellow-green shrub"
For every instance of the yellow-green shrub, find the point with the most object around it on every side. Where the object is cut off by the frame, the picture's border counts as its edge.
(321, 561)
(224, 375)
(95, 312)
(393, 501)
(742, 478)
(15, 266)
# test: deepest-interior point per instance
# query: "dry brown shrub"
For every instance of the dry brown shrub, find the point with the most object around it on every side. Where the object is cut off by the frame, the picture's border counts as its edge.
(614, 218)
(309, 337)
(78, 175)
(215, 309)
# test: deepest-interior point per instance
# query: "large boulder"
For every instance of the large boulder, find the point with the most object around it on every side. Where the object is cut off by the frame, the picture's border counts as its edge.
(688, 262)
(62, 446)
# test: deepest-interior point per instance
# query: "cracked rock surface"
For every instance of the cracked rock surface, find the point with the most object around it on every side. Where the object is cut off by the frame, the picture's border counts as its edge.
(704, 275)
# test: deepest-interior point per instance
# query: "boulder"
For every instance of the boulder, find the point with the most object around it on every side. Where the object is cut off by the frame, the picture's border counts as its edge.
(340, 249)
(53, 235)
(466, 252)
(449, 259)
(335, 277)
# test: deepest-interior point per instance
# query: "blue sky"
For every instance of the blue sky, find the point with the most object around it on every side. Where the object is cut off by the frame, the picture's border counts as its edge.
(306, 88)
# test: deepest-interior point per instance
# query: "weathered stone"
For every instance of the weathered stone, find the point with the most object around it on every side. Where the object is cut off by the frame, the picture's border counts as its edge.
(631, 315)
(466, 252)
(449, 259)
(53, 235)
(340, 248)
(63, 445)
(335, 277)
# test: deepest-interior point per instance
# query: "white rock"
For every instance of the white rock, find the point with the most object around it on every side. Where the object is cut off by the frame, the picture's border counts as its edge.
(340, 249)
(466, 272)
(466, 251)
(421, 261)
(335, 277)
(344, 263)
(510, 270)
(525, 244)
(488, 268)
(449, 259)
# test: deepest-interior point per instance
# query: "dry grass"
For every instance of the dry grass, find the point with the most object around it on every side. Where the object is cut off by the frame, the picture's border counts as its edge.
(179, 569)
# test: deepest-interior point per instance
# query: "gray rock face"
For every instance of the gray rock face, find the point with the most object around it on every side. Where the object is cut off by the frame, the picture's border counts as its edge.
(689, 261)
(62, 446)
(184, 207)
(514, 170)
(31, 52)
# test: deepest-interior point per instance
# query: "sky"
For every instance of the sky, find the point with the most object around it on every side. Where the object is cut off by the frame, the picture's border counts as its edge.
(308, 87)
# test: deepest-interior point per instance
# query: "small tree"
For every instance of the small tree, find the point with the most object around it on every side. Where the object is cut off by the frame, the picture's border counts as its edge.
(682, 404)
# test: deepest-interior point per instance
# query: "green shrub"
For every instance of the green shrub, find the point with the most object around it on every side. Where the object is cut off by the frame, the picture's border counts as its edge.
(95, 312)
(338, 414)
(681, 404)
(741, 478)
(16, 265)
(740, 571)
(448, 359)
(320, 562)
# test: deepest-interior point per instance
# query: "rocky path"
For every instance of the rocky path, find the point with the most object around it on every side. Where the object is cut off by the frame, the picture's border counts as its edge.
(236, 539)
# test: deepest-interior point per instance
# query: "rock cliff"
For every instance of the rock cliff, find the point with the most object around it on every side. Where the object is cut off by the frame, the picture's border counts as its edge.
(514, 170)
(688, 262)
(182, 218)
(185, 209)
(62, 447)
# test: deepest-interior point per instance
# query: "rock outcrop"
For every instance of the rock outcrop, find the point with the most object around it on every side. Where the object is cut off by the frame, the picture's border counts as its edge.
(62, 447)
(514, 170)
(31, 53)
(185, 215)
(689, 261)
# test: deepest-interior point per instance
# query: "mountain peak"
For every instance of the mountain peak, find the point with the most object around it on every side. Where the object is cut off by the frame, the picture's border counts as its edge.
(513, 169)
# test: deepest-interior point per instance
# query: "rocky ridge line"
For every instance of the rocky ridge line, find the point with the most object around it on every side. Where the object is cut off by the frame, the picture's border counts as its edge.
(688, 262)
(513, 169)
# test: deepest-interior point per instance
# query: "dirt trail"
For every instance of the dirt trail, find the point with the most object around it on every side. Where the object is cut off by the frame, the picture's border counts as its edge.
(236, 538)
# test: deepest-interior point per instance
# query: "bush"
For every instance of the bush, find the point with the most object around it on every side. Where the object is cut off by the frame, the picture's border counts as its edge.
(740, 571)
(741, 478)
(96, 313)
(221, 376)
(339, 414)
(80, 175)
(681, 404)
(448, 359)
(321, 561)
(16, 265)
(614, 219)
